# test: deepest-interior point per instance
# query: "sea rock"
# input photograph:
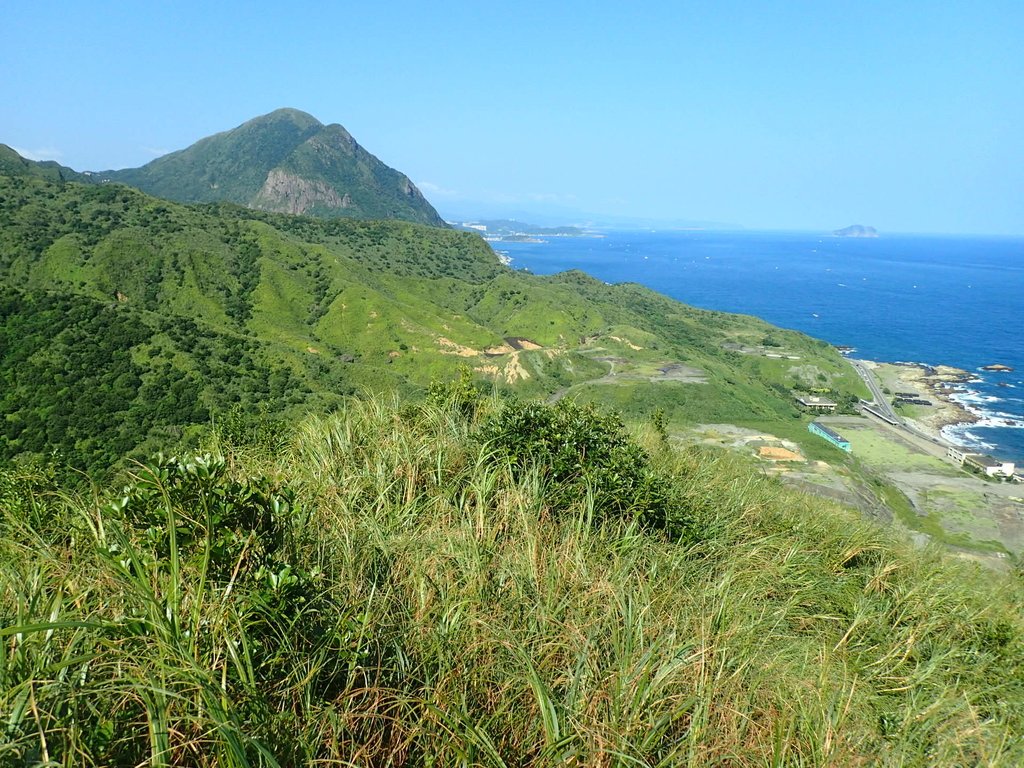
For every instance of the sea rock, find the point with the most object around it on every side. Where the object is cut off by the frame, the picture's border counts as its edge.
(856, 230)
(997, 367)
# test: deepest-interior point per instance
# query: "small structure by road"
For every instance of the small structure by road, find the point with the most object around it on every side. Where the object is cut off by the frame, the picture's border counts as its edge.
(815, 403)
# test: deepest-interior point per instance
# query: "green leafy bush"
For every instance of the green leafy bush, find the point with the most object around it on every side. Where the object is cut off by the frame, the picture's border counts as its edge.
(581, 450)
(193, 511)
(463, 394)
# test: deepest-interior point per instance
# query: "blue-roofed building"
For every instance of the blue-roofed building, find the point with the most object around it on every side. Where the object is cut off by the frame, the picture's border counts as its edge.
(829, 434)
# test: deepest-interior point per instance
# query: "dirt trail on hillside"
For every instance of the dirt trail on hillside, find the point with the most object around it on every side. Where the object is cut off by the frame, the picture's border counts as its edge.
(677, 372)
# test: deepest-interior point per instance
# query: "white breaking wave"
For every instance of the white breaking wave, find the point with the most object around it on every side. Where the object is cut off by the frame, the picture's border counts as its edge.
(975, 403)
(970, 397)
(961, 435)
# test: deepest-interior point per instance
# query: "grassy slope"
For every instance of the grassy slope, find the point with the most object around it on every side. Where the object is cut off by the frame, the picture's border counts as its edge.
(423, 604)
(308, 296)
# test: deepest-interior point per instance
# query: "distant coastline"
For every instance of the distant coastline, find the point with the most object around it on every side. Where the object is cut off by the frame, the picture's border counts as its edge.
(512, 231)
(954, 407)
(933, 298)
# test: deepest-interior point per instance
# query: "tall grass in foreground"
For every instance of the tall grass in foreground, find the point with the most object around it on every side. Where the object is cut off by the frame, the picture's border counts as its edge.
(397, 587)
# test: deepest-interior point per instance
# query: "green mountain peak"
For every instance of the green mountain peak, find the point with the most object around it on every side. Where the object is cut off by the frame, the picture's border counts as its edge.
(286, 161)
(291, 114)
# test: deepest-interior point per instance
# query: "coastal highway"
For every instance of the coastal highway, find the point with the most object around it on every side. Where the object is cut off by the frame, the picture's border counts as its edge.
(881, 401)
(883, 406)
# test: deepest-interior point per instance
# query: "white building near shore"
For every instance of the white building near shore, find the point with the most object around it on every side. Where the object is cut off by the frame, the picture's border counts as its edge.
(816, 403)
(987, 465)
(956, 454)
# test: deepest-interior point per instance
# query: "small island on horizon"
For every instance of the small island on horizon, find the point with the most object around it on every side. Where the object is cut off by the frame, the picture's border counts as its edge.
(856, 230)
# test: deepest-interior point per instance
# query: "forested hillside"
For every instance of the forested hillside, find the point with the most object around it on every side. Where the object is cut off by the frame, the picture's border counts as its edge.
(194, 309)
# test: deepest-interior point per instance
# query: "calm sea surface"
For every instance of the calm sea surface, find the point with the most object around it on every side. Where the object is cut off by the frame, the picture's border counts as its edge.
(939, 300)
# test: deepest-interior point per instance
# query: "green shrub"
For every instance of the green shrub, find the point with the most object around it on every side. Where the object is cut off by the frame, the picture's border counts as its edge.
(239, 427)
(223, 526)
(462, 394)
(581, 450)
(192, 620)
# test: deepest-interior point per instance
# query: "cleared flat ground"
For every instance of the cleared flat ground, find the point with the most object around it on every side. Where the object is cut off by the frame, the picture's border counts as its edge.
(935, 500)
(943, 495)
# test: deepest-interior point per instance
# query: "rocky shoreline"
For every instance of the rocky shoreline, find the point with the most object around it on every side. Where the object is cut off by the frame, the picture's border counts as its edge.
(938, 383)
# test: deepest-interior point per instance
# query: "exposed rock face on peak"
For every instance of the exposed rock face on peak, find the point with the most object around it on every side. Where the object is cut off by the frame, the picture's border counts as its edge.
(289, 162)
(284, 192)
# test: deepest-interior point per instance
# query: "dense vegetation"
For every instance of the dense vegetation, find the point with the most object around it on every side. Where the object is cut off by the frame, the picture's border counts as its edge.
(178, 314)
(77, 383)
(448, 584)
(13, 164)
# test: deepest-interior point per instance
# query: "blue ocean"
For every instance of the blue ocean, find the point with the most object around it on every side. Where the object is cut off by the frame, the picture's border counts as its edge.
(899, 298)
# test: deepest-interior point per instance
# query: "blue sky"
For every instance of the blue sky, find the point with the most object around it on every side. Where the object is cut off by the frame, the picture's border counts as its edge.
(908, 116)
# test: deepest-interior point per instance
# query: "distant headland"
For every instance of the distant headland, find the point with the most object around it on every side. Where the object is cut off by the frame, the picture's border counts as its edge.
(856, 230)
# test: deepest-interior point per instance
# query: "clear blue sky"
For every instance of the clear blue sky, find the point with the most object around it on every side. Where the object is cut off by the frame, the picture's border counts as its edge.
(777, 115)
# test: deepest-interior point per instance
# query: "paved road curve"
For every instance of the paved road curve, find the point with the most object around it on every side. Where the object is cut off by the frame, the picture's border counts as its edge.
(881, 401)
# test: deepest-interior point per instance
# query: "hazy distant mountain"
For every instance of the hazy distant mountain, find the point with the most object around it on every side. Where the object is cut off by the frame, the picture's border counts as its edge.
(13, 164)
(287, 162)
(856, 230)
(554, 215)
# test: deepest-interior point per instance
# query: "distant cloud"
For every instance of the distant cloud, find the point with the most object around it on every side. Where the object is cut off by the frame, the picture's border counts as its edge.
(518, 198)
(46, 153)
(440, 193)
(156, 151)
(430, 188)
(550, 197)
